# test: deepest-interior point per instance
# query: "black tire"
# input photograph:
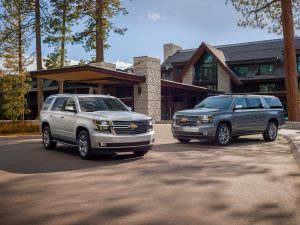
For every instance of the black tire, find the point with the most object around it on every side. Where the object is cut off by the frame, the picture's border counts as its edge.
(223, 135)
(48, 142)
(84, 145)
(271, 132)
(183, 140)
(142, 151)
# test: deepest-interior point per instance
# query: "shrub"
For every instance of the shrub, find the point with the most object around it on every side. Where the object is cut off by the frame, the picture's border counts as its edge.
(11, 128)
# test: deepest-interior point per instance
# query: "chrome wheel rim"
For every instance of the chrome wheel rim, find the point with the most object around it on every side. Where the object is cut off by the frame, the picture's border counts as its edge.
(224, 135)
(83, 145)
(46, 138)
(273, 131)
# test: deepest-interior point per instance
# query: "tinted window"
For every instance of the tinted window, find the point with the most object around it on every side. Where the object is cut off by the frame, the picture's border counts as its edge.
(273, 103)
(70, 102)
(253, 103)
(47, 103)
(216, 103)
(242, 102)
(93, 104)
(59, 103)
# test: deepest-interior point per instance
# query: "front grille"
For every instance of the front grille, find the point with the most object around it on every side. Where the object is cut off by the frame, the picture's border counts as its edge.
(128, 144)
(188, 121)
(130, 127)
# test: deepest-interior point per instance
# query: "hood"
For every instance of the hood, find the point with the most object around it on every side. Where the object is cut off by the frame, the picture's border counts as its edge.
(115, 116)
(198, 112)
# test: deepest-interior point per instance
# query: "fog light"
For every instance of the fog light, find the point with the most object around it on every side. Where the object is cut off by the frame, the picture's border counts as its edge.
(103, 144)
(206, 133)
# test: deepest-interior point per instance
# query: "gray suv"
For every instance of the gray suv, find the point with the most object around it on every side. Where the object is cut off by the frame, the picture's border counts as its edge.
(230, 116)
(94, 123)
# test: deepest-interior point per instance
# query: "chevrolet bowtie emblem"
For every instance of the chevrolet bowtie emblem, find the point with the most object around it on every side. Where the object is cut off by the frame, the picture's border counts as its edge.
(133, 126)
(183, 120)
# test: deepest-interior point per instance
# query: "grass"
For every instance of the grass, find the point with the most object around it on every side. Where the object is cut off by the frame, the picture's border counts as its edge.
(18, 128)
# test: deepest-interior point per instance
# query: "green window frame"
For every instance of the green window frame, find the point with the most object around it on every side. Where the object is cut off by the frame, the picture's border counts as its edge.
(267, 87)
(206, 69)
(266, 69)
(241, 70)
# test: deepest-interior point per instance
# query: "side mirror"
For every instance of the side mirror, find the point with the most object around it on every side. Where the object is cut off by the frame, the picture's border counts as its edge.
(129, 108)
(236, 107)
(69, 108)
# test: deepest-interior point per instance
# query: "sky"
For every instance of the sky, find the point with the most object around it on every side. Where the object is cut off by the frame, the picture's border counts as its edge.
(187, 23)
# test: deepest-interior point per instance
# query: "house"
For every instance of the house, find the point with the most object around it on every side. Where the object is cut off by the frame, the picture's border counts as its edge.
(253, 67)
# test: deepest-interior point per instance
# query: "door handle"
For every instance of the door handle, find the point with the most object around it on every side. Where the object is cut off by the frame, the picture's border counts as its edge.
(62, 117)
(51, 116)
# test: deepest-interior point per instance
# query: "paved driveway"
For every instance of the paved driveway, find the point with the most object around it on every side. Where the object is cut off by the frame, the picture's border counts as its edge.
(249, 182)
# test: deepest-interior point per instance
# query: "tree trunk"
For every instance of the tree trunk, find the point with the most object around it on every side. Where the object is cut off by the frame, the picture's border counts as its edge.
(290, 64)
(63, 35)
(39, 65)
(99, 32)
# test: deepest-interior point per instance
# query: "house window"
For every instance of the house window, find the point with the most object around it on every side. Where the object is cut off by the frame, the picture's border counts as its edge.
(266, 69)
(298, 64)
(241, 71)
(268, 87)
(124, 92)
(206, 69)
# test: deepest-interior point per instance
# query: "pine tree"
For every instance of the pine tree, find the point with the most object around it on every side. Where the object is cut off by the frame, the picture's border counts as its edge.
(97, 15)
(59, 26)
(15, 34)
(279, 16)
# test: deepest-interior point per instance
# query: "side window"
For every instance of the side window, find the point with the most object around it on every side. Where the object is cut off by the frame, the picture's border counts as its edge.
(58, 104)
(47, 103)
(70, 102)
(242, 102)
(273, 103)
(253, 103)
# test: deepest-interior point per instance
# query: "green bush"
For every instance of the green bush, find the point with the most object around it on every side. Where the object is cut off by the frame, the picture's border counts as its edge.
(11, 128)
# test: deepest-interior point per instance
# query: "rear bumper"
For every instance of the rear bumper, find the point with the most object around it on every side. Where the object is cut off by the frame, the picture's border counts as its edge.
(121, 143)
(205, 131)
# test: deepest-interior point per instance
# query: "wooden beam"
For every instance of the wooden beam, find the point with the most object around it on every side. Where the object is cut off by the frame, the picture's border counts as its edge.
(61, 87)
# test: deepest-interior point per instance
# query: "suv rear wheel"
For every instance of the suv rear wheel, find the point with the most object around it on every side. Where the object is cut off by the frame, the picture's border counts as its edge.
(84, 145)
(223, 135)
(183, 140)
(271, 133)
(48, 142)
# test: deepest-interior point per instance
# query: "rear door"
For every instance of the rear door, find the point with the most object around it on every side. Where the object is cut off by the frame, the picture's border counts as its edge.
(55, 117)
(67, 121)
(256, 117)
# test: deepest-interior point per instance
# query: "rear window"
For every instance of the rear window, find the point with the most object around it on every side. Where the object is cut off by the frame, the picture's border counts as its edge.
(47, 104)
(253, 103)
(273, 103)
(58, 104)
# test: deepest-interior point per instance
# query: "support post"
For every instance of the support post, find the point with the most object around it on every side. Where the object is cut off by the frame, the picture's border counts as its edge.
(60, 87)
(147, 95)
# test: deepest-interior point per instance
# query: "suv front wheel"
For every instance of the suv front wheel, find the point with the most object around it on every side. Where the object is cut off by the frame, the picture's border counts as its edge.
(48, 142)
(223, 135)
(271, 133)
(84, 145)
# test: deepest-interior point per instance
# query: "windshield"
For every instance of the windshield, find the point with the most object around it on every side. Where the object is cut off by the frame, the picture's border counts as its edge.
(93, 104)
(215, 103)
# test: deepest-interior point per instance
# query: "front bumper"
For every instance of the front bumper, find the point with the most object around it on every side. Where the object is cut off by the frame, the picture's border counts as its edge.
(197, 132)
(121, 142)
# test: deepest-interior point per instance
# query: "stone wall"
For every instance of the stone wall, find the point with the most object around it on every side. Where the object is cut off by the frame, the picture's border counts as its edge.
(147, 95)
(189, 76)
(170, 49)
(224, 82)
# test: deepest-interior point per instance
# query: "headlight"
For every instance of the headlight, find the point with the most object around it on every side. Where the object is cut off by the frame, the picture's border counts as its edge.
(150, 125)
(205, 119)
(102, 126)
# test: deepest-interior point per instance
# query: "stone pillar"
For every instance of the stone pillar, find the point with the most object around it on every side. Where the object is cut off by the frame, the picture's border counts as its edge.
(170, 49)
(147, 95)
(224, 82)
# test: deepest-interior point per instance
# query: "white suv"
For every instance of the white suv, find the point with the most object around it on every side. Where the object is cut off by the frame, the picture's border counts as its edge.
(94, 123)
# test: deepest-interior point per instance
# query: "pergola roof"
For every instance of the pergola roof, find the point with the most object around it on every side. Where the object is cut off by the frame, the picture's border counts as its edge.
(90, 74)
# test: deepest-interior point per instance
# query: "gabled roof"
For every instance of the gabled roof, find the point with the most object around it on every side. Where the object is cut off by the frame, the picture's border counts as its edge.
(217, 54)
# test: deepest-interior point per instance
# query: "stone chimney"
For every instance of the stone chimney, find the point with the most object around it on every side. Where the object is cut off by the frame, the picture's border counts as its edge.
(170, 49)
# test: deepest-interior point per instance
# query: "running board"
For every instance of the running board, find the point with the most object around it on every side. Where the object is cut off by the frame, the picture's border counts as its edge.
(65, 143)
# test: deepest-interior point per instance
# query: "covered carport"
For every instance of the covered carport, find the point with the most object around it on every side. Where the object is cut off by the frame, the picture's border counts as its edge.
(100, 78)
(178, 96)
